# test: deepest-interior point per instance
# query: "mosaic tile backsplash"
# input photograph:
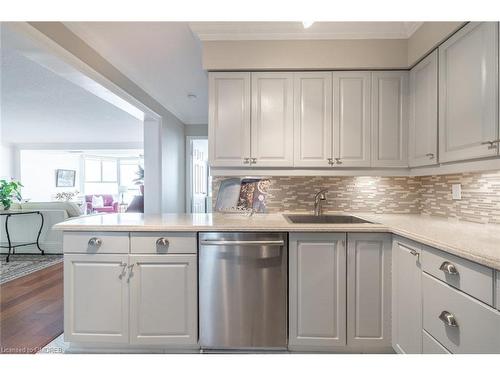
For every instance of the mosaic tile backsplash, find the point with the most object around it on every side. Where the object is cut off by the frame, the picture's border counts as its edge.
(428, 195)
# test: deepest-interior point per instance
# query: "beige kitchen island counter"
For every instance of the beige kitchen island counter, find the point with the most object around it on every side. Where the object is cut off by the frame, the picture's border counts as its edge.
(477, 242)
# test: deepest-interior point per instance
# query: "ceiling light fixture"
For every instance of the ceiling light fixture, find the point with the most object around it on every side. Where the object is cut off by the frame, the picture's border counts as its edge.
(191, 96)
(307, 24)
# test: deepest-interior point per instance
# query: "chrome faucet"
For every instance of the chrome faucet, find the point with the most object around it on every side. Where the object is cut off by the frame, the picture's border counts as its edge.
(319, 198)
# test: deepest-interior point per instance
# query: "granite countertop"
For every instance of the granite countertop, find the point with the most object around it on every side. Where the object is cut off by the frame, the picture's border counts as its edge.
(477, 242)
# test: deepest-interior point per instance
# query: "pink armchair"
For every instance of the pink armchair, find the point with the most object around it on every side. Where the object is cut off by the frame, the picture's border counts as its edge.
(109, 204)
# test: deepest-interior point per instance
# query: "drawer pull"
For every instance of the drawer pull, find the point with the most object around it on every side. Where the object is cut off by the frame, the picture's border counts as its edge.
(95, 242)
(448, 319)
(162, 242)
(449, 268)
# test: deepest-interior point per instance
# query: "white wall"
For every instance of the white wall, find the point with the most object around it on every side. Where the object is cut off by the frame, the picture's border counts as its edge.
(38, 173)
(174, 166)
(196, 130)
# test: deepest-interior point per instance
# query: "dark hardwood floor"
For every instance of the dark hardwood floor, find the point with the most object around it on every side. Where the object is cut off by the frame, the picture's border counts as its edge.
(31, 310)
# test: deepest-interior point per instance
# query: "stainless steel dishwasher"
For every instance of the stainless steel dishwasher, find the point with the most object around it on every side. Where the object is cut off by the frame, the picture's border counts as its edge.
(243, 290)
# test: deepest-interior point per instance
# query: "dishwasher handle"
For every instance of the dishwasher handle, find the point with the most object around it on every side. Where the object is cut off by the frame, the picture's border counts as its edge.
(242, 243)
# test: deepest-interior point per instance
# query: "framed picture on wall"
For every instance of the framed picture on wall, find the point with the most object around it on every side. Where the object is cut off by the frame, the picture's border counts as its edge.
(65, 178)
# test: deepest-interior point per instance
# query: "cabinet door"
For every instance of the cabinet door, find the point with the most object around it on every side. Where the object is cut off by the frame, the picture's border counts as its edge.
(229, 119)
(272, 119)
(317, 294)
(312, 119)
(406, 298)
(163, 300)
(468, 83)
(95, 298)
(389, 119)
(369, 290)
(351, 119)
(423, 137)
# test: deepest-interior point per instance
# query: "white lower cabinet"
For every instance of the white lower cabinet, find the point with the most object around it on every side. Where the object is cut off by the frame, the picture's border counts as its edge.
(163, 300)
(369, 291)
(141, 300)
(317, 295)
(461, 323)
(431, 346)
(406, 297)
(326, 314)
(96, 298)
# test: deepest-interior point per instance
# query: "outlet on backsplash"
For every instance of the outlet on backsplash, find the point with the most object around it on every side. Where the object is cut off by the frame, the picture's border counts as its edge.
(430, 195)
(456, 192)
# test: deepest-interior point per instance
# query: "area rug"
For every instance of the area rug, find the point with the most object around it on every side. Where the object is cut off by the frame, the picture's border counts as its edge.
(24, 264)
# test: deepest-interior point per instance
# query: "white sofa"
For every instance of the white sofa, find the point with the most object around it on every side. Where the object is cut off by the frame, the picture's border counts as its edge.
(25, 228)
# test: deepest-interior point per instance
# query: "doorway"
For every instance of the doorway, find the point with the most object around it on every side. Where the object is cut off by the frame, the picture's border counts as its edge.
(198, 181)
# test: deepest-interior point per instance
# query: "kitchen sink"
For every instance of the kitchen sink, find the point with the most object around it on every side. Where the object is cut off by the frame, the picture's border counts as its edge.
(325, 219)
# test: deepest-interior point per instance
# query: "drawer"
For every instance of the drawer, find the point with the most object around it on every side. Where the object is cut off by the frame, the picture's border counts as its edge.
(431, 346)
(478, 325)
(163, 243)
(96, 242)
(470, 277)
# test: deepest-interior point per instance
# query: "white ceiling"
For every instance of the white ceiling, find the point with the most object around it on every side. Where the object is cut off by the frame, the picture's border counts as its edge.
(163, 58)
(39, 106)
(210, 31)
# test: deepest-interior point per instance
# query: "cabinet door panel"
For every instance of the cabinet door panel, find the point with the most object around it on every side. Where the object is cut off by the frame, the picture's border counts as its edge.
(468, 85)
(95, 298)
(389, 119)
(406, 298)
(312, 119)
(163, 300)
(272, 119)
(317, 291)
(229, 119)
(369, 290)
(351, 118)
(423, 135)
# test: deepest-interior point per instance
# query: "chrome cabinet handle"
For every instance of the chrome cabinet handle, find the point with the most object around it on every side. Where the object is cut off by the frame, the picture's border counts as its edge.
(130, 271)
(95, 242)
(491, 144)
(330, 161)
(162, 241)
(124, 268)
(449, 268)
(253, 160)
(448, 319)
(430, 155)
(246, 160)
(415, 253)
(338, 161)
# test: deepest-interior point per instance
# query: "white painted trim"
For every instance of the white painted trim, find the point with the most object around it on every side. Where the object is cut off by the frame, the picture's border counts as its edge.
(189, 157)
(481, 165)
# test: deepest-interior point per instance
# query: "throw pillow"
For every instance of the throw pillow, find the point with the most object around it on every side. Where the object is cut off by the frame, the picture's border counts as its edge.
(97, 201)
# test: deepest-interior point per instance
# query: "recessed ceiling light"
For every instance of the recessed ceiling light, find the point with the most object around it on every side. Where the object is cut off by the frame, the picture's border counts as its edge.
(307, 24)
(191, 96)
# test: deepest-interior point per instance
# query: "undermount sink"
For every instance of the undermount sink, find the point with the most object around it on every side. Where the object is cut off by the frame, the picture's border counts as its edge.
(325, 219)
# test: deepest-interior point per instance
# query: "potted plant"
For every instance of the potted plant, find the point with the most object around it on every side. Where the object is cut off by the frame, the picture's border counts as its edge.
(9, 190)
(140, 178)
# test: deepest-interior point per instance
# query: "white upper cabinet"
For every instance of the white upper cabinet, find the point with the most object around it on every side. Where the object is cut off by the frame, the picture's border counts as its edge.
(229, 119)
(423, 135)
(468, 84)
(389, 119)
(313, 119)
(272, 119)
(351, 119)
